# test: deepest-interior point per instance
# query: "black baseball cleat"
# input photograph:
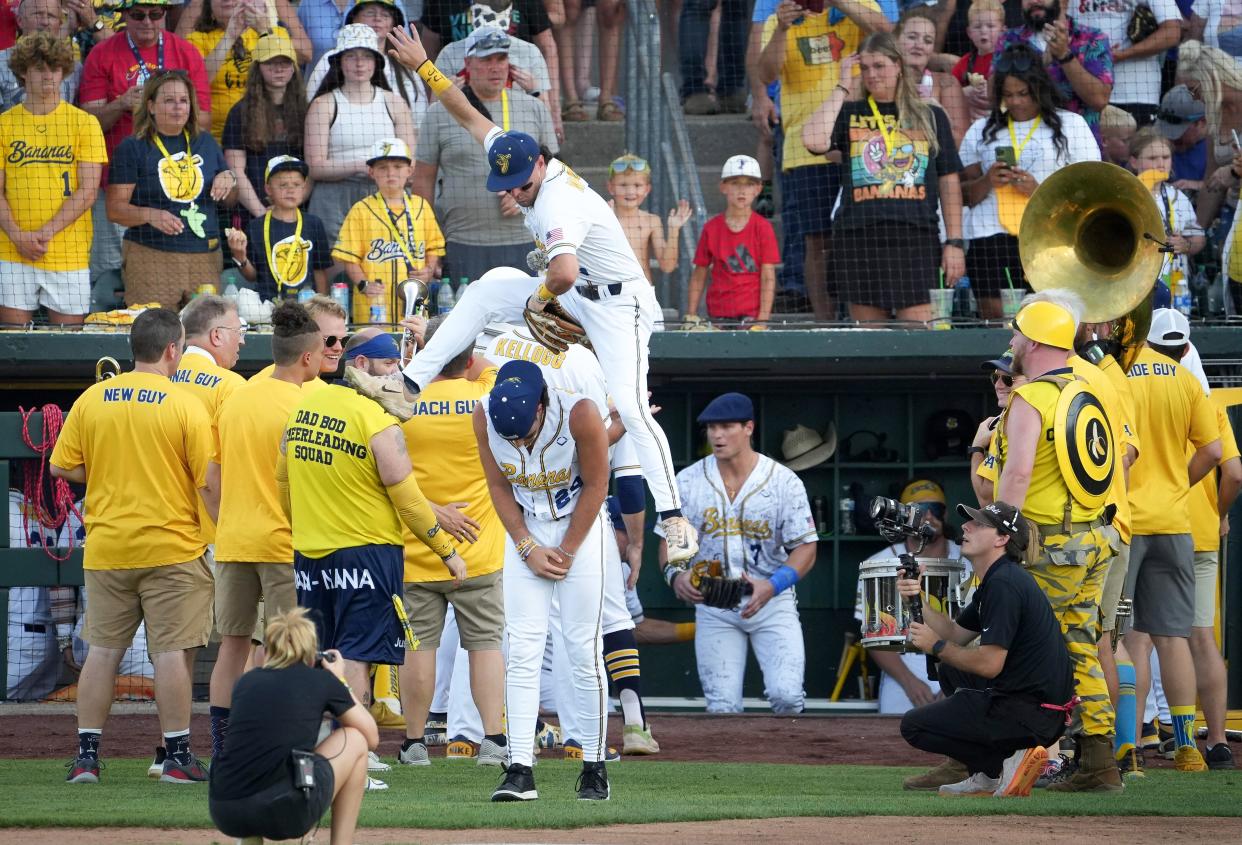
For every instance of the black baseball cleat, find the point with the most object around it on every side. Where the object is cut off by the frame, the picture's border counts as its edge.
(518, 785)
(593, 783)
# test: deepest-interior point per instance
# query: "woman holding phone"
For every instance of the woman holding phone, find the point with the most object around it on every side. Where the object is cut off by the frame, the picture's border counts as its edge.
(1005, 156)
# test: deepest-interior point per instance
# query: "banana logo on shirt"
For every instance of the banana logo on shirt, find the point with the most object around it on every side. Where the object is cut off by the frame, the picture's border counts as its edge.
(290, 258)
(181, 178)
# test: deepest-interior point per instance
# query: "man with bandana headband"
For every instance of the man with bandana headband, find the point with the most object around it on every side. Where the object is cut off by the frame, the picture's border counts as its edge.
(1078, 57)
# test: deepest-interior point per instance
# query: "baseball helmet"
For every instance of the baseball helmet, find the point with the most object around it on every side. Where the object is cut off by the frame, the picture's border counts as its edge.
(1047, 323)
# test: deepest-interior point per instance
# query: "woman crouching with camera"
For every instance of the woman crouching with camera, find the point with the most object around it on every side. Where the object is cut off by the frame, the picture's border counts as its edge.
(272, 780)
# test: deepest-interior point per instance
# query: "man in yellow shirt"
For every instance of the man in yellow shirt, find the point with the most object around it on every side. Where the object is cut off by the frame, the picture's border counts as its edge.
(441, 433)
(1172, 411)
(330, 317)
(1045, 421)
(347, 483)
(214, 336)
(141, 447)
(254, 544)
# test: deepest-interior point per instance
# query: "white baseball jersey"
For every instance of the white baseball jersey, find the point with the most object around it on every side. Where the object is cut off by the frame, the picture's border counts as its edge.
(569, 217)
(754, 532)
(546, 478)
(573, 371)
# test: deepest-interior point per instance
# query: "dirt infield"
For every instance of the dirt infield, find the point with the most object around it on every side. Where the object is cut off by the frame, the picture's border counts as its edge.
(989, 830)
(859, 740)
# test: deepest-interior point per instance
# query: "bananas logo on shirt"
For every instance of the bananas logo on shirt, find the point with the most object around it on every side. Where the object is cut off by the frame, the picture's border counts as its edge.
(291, 258)
(181, 178)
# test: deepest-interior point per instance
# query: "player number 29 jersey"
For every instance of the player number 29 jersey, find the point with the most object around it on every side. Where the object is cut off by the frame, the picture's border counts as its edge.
(546, 478)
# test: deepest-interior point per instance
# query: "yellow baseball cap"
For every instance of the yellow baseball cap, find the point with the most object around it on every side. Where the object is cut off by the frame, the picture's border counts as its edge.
(273, 46)
(922, 490)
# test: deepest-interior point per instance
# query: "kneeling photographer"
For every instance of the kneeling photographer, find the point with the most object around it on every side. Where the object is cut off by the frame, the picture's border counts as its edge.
(1009, 696)
(272, 780)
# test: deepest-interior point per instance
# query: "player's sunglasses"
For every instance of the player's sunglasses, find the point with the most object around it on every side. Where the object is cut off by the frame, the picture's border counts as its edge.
(1014, 61)
(999, 376)
(333, 340)
(628, 162)
(141, 15)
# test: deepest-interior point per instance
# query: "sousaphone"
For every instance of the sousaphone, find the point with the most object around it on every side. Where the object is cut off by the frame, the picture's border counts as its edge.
(1095, 229)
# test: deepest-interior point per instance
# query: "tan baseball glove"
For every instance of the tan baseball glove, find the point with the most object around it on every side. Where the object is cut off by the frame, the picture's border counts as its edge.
(554, 328)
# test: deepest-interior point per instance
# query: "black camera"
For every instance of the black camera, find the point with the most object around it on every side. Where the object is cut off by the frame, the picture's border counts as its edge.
(322, 657)
(895, 520)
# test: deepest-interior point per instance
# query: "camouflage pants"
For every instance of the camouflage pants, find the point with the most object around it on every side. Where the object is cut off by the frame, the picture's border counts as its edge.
(1071, 570)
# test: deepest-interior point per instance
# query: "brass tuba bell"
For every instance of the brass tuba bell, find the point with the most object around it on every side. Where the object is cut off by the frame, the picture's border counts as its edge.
(1095, 229)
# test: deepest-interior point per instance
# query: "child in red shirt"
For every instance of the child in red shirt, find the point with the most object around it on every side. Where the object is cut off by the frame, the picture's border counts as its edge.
(986, 25)
(740, 248)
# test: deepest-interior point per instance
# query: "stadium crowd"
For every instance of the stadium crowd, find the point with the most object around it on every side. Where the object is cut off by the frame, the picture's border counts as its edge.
(905, 140)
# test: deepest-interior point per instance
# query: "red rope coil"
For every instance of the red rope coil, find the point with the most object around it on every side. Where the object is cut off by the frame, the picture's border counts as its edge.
(56, 516)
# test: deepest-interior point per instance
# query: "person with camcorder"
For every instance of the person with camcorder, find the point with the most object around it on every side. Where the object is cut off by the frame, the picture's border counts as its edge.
(1007, 697)
(272, 780)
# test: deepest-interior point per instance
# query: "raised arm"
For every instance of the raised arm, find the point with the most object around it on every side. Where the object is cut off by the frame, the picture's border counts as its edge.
(405, 47)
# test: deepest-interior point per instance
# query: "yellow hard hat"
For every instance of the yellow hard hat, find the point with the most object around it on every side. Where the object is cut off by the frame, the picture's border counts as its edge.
(1047, 323)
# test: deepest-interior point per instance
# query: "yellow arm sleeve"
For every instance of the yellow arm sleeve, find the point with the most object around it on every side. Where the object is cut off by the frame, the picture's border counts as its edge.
(282, 485)
(417, 515)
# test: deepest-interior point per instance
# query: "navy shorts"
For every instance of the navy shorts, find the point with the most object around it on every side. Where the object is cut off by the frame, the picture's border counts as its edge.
(349, 595)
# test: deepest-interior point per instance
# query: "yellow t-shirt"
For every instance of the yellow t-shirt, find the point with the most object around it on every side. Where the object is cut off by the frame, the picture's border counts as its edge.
(1204, 513)
(229, 84)
(307, 386)
(253, 527)
(1171, 409)
(1047, 494)
(39, 155)
(813, 53)
(145, 446)
(338, 499)
(1103, 387)
(211, 384)
(445, 453)
(367, 239)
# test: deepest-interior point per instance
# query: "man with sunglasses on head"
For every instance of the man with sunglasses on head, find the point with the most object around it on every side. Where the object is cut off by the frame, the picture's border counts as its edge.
(1077, 57)
(591, 273)
(481, 230)
(112, 79)
(1000, 371)
(903, 682)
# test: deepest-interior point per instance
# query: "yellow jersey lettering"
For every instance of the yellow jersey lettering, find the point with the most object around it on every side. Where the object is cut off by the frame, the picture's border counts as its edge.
(753, 529)
(536, 480)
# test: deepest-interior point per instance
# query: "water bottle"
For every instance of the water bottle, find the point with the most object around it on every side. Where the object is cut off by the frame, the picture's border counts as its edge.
(820, 510)
(340, 295)
(230, 292)
(846, 506)
(378, 305)
(963, 300)
(1181, 293)
(444, 298)
(461, 290)
(306, 294)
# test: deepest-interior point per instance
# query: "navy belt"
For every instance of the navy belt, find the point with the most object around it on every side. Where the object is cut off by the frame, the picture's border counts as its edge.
(591, 292)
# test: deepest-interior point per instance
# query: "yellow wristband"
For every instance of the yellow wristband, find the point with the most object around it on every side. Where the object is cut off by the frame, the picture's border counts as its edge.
(543, 294)
(438, 82)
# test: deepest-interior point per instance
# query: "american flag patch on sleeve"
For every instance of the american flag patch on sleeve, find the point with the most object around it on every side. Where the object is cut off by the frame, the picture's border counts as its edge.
(553, 236)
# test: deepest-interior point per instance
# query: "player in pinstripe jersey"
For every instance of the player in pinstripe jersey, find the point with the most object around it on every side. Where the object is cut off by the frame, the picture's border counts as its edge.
(754, 519)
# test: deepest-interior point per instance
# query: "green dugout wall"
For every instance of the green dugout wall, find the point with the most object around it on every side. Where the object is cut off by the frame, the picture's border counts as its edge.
(885, 382)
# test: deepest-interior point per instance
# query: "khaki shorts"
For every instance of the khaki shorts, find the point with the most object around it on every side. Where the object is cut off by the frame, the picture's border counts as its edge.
(240, 586)
(479, 604)
(169, 278)
(174, 601)
(1114, 581)
(1207, 568)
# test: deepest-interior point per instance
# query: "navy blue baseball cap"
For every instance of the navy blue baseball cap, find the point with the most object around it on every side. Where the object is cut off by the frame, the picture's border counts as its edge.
(1004, 363)
(512, 157)
(728, 407)
(514, 399)
(1162, 296)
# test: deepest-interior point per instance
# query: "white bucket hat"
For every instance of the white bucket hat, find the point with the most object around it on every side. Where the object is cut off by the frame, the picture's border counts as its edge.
(357, 36)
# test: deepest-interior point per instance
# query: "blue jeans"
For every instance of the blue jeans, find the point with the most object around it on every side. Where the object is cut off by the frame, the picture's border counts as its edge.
(692, 32)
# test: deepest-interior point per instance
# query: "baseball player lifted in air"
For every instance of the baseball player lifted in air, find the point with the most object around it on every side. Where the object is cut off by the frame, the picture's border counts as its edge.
(758, 534)
(545, 455)
(592, 277)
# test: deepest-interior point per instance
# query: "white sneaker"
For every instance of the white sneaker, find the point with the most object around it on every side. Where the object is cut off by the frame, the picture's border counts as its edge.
(1020, 772)
(388, 391)
(375, 764)
(682, 539)
(415, 755)
(375, 785)
(976, 784)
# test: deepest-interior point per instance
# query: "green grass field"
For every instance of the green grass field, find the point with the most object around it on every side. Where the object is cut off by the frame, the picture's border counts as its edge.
(455, 795)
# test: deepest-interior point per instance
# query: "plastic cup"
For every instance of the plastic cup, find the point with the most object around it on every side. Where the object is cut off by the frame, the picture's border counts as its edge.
(941, 308)
(1011, 300)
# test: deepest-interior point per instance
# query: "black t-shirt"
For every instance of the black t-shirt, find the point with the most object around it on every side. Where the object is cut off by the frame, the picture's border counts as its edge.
(313, 253)
(1009, 610)
(179, 184)
(274, 712)
(233, 138)
(897, 186)
(450, 19)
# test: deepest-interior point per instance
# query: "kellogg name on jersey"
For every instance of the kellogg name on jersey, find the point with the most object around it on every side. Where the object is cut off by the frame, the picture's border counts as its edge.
(751, 529)
(21, 154)
(536, 480)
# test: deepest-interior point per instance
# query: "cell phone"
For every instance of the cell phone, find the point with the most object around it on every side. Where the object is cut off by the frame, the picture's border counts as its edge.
(815, 7)
(303, 769)
(323, 656)
(1006, 156)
